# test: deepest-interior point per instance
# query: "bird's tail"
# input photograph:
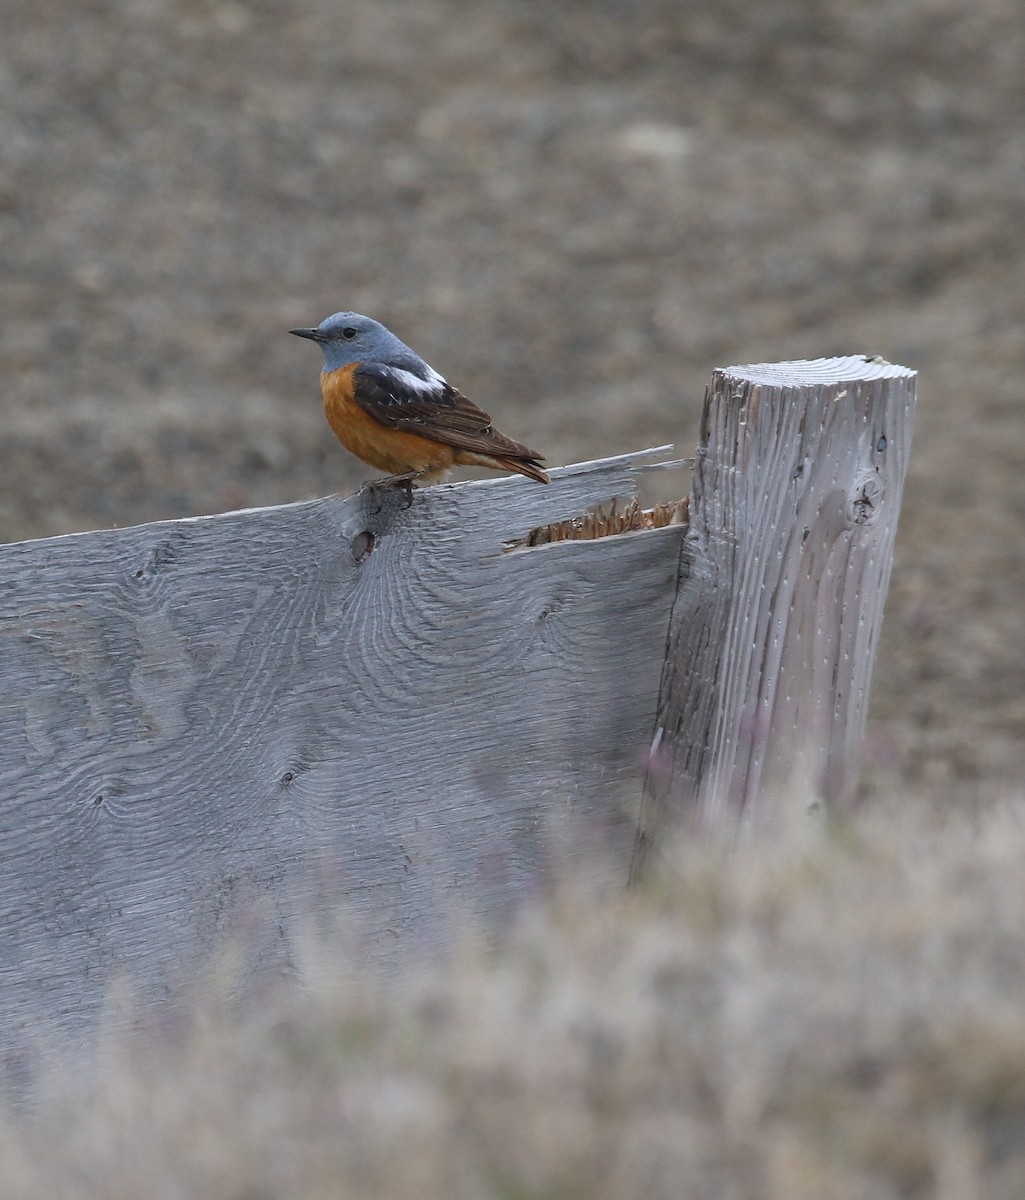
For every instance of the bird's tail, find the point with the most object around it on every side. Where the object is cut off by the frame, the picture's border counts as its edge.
(525, 466)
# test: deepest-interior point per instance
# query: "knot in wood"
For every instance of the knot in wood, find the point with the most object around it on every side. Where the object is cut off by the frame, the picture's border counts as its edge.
(866, 496)
(362, 545)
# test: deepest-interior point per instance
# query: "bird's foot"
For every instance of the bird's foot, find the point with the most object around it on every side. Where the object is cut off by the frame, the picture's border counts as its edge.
(405, 482)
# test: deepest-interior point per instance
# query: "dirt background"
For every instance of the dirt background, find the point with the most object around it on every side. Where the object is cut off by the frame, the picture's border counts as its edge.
(575, 211)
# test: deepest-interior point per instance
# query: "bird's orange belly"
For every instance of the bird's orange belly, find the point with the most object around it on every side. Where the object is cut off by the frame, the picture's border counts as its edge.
(387, 449)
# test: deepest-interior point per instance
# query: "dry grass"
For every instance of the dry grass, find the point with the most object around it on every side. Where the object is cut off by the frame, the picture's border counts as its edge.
(836, 1011)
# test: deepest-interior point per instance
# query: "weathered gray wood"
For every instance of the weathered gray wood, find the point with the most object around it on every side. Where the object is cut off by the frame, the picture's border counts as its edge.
(205, 723)
(234, 722)
(796, 494)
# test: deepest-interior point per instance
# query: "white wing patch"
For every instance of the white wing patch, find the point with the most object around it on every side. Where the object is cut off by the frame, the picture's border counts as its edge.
(404, 385)
(383, 384)
(430, 386)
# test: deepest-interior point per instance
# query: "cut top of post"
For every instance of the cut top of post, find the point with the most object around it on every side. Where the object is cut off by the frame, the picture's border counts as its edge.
(817, 372)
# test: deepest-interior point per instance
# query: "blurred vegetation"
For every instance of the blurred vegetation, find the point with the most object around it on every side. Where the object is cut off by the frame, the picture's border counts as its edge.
(827, 1010)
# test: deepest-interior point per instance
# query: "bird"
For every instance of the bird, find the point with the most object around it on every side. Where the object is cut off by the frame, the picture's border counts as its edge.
(393, 410)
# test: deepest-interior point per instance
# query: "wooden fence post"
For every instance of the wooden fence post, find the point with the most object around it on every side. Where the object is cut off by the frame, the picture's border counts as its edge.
(772, 640)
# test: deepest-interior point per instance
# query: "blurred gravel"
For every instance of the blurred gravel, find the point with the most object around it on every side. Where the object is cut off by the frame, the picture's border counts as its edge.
(575, 210)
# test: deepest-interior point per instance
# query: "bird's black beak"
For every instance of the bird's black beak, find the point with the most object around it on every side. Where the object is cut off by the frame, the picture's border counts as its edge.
(313, 334)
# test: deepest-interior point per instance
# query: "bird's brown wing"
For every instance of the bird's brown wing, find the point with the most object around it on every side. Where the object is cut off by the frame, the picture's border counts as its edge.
(433, 411)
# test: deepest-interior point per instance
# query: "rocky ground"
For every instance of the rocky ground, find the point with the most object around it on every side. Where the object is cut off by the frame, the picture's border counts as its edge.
(574, 210)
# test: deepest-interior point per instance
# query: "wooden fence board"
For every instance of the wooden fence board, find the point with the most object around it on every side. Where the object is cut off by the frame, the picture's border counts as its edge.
(205, 722)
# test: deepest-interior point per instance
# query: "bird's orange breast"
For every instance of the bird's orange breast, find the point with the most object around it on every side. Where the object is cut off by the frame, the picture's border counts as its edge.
(390, 450)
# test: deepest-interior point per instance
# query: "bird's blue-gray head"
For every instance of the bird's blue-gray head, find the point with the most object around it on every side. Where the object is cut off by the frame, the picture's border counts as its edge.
(348, 337)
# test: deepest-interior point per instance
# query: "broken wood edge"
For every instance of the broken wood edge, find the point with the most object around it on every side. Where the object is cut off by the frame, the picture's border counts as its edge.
(607, 520)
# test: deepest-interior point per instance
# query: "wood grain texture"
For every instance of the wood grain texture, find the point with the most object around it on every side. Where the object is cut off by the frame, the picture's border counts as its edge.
(238, 722)
(796, 494)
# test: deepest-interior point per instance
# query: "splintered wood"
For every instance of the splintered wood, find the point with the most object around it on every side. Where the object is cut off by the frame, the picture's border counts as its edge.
(607, 520)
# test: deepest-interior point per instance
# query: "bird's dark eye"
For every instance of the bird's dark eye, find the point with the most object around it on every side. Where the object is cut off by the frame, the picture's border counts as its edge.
(349, 333)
